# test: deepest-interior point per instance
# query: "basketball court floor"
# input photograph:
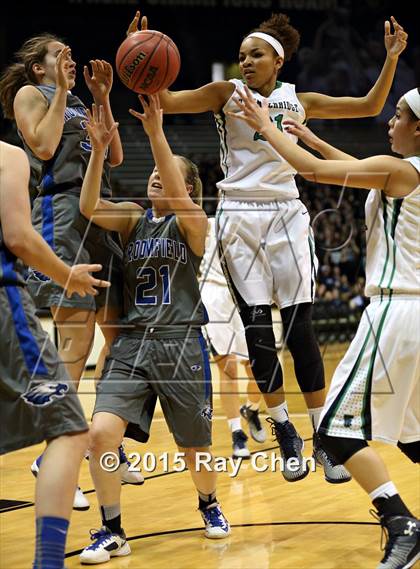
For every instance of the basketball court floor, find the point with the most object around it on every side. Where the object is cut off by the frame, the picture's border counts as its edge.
(309, 524)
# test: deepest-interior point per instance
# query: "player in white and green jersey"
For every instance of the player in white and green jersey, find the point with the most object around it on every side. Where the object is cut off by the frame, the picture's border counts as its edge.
(375, 391)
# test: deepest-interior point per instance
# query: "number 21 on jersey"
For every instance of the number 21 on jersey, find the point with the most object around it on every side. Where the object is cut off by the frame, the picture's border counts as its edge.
(150, 280)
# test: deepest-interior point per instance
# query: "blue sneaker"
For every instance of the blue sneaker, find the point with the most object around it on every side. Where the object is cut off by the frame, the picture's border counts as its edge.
(240, 450)
(129, 475)
(105, 545)
(217, 526)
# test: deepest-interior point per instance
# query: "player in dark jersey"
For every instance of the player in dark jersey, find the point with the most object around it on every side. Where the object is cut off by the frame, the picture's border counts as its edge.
(161, 352)
(38, 400)
(35, 92)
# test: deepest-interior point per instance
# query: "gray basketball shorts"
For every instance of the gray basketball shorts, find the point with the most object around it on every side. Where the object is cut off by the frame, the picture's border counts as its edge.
(37, 399)
(58, 219)
(139, 369)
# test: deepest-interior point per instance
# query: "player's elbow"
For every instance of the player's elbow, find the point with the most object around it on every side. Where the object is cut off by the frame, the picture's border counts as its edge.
(371, 107)
(44, 153)
(85, 210)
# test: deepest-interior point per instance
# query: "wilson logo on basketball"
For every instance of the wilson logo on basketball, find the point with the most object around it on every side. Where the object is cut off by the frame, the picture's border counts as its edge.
(129, 69)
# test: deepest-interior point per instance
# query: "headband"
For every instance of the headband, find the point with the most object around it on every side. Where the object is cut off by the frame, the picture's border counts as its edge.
(412, 98)
(275, 44)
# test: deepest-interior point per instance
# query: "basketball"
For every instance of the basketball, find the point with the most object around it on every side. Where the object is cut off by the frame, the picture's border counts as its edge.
(147, 62)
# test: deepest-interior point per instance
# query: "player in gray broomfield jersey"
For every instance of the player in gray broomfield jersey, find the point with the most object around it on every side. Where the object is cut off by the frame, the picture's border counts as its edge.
(375, 391)
(162, 352)
(36, 93)
(37, 399)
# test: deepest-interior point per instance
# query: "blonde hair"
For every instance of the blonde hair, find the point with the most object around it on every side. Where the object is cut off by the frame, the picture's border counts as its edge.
(192, 178)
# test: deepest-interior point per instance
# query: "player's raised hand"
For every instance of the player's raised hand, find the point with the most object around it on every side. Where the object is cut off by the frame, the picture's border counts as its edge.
(82, 282)
(151, 118)
(134, 26)
(99, 82)
(395, 43)
(257, 117)
(99, 134)
(63, 68)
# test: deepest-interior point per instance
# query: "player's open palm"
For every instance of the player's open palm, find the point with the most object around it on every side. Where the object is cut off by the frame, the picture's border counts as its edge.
(99, 134)
(152, 115)
(63, 68)
(99, 81)
(257, 117)
(82, 282)
(395, 43)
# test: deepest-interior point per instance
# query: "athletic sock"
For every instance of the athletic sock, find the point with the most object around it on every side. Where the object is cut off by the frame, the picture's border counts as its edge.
(315, 415)
(51, 535)
(111, 518)
(391, 505)
(205, 500)
(235, 424)
(279, 413)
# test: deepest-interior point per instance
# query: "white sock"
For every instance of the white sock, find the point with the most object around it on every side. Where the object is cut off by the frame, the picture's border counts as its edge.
(279, 413)
(383, 491)
(253, 406)
(315, 415)
(235, 424)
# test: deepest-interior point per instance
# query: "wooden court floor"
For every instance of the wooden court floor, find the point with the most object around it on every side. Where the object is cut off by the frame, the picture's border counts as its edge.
(275, 525)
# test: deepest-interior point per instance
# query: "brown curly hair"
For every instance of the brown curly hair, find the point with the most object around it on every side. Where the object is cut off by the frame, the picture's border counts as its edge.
(21, 73)
(279, 27)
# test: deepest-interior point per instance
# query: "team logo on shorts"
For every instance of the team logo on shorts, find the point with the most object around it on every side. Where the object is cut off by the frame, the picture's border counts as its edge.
(207, 412)
(43, 394)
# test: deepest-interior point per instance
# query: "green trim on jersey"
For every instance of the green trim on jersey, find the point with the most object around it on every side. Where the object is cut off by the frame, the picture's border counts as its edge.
(385, 216)
(220, 119)
(366, 424)
(396, 213)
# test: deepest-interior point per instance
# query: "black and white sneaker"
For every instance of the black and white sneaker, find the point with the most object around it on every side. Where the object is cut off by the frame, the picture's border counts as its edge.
(402, 548)
(105, 545)
(240, 449)
(294, 466)
(334, 472)
(256, 430)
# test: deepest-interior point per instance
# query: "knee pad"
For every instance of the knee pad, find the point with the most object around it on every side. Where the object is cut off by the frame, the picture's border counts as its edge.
(262, 350)
(412, 450)
(341, 448)
(300, 339)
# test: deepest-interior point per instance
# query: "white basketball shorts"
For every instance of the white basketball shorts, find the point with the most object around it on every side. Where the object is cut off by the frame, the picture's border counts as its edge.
(267, 251)
(225, 329)
(375, 391)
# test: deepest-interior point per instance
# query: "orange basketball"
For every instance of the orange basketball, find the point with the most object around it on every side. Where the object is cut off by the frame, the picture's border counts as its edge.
(147, 62)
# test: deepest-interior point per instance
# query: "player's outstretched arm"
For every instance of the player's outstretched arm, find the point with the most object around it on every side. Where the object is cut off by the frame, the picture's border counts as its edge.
(22, 239)
(112, 216)
(191, 218)
(393, 175)
(211, 97)
(99, 83)
(326, 107)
